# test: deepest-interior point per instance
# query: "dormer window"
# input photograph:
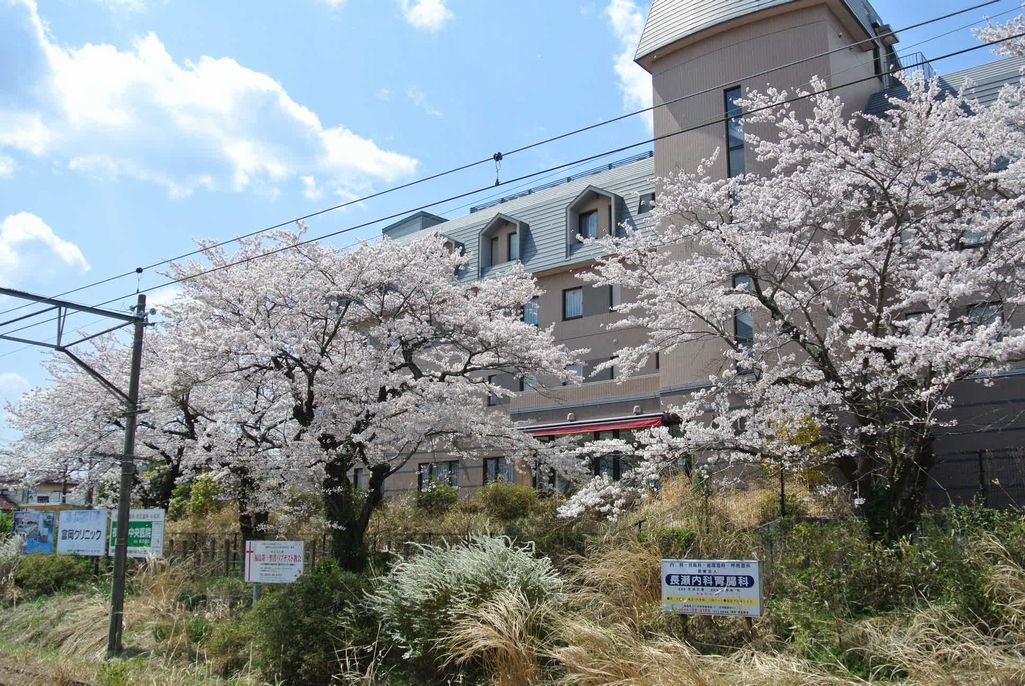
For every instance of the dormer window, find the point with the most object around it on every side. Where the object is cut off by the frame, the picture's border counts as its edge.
(592, 214)
(501, 241)
(587, 224)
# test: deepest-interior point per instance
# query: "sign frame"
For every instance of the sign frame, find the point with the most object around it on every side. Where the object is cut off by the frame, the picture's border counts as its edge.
(156, 520)
(724, 588)
(273, 562)
(89, 522)
(38, 531)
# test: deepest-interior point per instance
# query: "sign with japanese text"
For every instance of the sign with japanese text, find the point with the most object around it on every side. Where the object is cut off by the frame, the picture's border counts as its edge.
(145, 533)
(712, 587)
(82, 532)
(273, 562)
(36, 528)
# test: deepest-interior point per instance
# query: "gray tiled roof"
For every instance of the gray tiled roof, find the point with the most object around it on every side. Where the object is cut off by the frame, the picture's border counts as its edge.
(545, 214)
(986, 81)
(671, 20)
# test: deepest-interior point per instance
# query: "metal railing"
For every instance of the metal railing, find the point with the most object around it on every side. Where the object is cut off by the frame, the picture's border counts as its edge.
(558, 182)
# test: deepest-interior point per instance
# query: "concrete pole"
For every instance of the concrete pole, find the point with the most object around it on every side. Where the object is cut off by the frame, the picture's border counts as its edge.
(124, 502)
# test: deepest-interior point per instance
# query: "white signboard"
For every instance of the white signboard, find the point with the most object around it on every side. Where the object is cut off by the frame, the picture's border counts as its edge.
(712, 587)
(145, 533)
(273, 562)
(82, 532)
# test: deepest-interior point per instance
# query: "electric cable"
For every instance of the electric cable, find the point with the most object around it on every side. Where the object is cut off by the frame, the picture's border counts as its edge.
(716, 120)
(501, 155)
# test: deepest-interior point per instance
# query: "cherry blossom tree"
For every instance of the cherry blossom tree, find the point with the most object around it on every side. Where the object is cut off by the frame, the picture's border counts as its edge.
(367, 356)
(881, 260)
(74, 426)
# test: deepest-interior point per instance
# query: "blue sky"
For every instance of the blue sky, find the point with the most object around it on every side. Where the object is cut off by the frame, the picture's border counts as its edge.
(131, 128)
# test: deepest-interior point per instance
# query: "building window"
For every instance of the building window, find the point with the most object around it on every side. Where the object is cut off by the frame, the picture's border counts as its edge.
(606, 465)
(646, 203)
(578, 369)
(494, 250)
(357, 478)
(497, 469)
(437, 473)
(612, 369)
(743, 318)
(492, 396)
(512, 243)
(985, 314)
(573, 303)
(528, 382)
(734, 133)
(615, 296)
(587, 224)
(532, 311)
(658, 361)
(42, 499)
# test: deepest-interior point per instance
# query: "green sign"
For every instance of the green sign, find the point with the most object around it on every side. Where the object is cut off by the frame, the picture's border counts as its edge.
(145, 533)
(140, 535)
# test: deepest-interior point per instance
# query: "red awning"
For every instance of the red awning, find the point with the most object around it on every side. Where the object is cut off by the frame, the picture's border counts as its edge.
(593, 425)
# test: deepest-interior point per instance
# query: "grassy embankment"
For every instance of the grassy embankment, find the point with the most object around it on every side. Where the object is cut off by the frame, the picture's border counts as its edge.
(946, 608)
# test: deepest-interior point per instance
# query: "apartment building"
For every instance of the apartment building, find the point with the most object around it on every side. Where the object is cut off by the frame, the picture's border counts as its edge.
(708, 47)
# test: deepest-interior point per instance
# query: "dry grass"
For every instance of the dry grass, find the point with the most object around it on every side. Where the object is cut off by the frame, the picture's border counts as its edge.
(507, 634)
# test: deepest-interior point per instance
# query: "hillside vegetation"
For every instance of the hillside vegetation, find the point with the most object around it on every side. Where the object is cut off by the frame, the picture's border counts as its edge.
(527, 598)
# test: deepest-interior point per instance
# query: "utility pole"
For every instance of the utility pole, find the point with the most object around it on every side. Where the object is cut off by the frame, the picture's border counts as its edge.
(130, 401)
(124, 496)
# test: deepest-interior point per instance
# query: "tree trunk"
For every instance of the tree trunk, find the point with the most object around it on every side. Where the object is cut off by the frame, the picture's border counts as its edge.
(251, 522)
(348, 513)
(252, 525)
(894, 504)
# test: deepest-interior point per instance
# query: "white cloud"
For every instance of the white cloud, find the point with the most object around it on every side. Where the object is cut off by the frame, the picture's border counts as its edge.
(124, 5)
(6, 167)
(21, 232)
(417, 97)
(627, 22)
(429, 15)
(206, 124)
(12, 383)
(310, 188)
(335, 4)
(383, 94)
(162, 297)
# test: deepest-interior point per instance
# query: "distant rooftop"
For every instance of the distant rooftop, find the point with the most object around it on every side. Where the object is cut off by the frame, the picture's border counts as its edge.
(986, 81)
(672, 20)
(558, 182)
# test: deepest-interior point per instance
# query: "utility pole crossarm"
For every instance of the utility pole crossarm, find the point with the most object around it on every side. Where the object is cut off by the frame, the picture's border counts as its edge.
(131, 402)
(22, 295)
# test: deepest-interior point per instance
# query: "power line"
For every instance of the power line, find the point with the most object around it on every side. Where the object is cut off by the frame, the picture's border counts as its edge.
(501, 155)
(654, 139)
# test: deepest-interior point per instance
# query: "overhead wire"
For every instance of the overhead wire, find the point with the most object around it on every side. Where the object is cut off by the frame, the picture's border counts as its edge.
(716, 120)
(502, 155)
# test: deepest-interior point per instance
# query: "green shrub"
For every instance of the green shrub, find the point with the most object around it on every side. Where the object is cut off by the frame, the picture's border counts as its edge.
(228, 592)
(45, 574)
(178, 507)
(506, 501)
(299, 629)
(204, 497)
(6, 524)
(116, 673)
(228, 647)
(672, 543)
(437, 498)
(197, 628)
(419, 600)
